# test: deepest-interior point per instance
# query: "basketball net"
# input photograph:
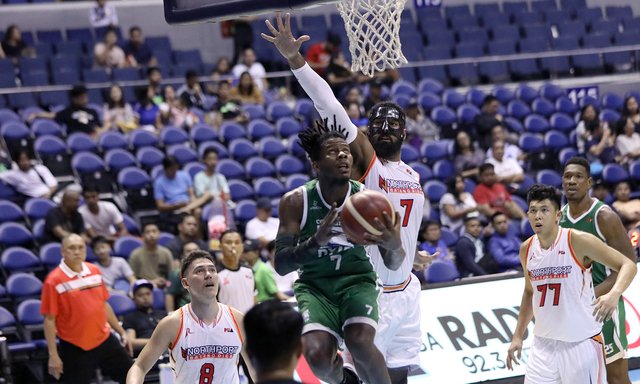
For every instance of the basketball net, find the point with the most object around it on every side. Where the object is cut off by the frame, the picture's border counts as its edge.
(373, 28)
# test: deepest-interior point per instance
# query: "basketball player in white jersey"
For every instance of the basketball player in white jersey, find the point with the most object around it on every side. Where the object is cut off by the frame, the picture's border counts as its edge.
(567, 346)
(205, 338)
(377, 164)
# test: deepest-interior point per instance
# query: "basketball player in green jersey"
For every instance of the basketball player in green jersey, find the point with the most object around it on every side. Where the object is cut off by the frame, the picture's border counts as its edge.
(337, 292)
(591, 215)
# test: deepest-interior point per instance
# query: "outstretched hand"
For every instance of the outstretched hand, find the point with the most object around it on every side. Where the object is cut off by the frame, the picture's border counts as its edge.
(283, 39)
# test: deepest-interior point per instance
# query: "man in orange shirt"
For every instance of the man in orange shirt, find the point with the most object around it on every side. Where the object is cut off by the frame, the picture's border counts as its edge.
(75, 307)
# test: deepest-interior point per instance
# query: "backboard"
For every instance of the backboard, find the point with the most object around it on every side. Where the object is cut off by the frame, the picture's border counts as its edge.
(191, 11)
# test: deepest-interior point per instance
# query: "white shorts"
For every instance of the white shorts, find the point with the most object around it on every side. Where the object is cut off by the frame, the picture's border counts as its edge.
(398, 336)
(553, 361)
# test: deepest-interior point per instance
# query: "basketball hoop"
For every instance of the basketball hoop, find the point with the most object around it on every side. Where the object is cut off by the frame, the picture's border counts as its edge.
(373, 28)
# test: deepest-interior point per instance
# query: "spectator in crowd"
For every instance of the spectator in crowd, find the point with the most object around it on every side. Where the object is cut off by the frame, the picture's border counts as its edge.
(154, 81)
(511, 148)
(508, 170)
(339, 75)
(175, 111)
(146, 109)
(137, 51)
(191, 92)
(486, 120)
(266, 287)
(64, 219)
(176, 294)
(247, 91)
(103, 15)
(471, 258)
(434, 245)
(77, 117)
(141, 323)
(467, 156)
(628, 140)
(600, 144)
(2, 54)
(173, 191)
(284, 283)
(456, 204)
(30, 180)
(118, 114)
(188, 232)
(111, 268)
(77, 314)
(319, 54)
(268, 324)
(588, 116)
(600, 191)
(492, 196)
(227, 108)
(503, 246)
(357, 116)
(108, 54)
(375, 94)
(237, 285)
(627, 208)
(353, 95)
(419, 127)
(12, 44)
(263, 227)
(101, 218)
(255, 69)
(208, 180)
(221, 71)
(151, 261)
(242, 33)
(631, 111)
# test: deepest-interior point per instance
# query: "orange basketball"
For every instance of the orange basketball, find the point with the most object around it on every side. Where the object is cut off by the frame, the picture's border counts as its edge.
(360, 210)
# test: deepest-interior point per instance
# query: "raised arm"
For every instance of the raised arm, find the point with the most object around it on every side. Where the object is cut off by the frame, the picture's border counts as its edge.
(320, 93)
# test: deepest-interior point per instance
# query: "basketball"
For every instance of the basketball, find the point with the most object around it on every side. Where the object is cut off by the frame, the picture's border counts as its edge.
(359, 212)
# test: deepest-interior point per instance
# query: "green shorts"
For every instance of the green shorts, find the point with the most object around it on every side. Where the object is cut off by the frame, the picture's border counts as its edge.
(331, 304)
(615, 335)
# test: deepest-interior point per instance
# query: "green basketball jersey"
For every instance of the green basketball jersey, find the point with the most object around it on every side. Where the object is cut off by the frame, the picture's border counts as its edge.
(339, 257)
(588, 222)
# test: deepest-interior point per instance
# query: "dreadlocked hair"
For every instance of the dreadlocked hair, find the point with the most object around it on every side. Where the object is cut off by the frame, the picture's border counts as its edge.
(313, 137)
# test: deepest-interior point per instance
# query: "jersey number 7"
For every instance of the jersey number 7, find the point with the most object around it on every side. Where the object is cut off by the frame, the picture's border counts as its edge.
(407, 204)
(556, 293)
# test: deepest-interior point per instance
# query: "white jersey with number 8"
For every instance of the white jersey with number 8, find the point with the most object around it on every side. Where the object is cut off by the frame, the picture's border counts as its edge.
(206, 354)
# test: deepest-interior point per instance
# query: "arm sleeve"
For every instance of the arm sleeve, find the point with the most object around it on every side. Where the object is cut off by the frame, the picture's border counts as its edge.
(325, 102)
(224, 186)
(126, 269)
(49, 305)
(198, 185)
(48, 177)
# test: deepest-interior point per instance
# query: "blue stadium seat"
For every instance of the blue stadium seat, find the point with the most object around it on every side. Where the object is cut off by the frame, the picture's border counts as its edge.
(562, 122)
(230, 131)
(137, 184)
(514, 7)
(430, 85)
(65, 63)
(566, 154)
(257, 129)
(524, 68)
(494, 18)
(95, 76)
(503, 94)
(518, 109)
(254, 111)
(240, 190)
(295, 181)
(589, 15)
(33, 65)
(542, 107)
(83, 35)
(452, 98)
(555, 65)
(36, 208)
(158, 42)
(555, 17)
(23, 285)
(271, 147)
(35, 79)
(132, 226)
(475, 35)
(221, 149)
(443, 169)
(475, 96)
(587, 64)
(49, 99)
(81, 142)
(242, 149)
(428, 101)
(536, 124)
(551, 91)
(565, 105)
(53, 153)
(423, 171)
(549, 177)
(125, 74)
(69, 48)
(303, 110)
(51, 36)
(527, 18)
(554, 141)
(618, 12)
(277, 110)
(612, 101)
(121, 303)
(613, 173)
(268, 187)
(141, 138)
(50, 255)
(634, 170)
(294, 148)
(125, 245)
(433, 151)
(16, 135)
(10, 211)
(201, 133)
(533, 45)
(402, 87)
(514, 125)
(92, 170)
(466, 113)
(173, 135)
(231, 169)
(484, 8)
(441, 272)
(7, 80)
(149, 157)
(409, 153)
(443, 116)
(596, 41)
(118, 159)
(288, 165)
(16, 259)
(589, 100)
(572, 28)
(435, 189)
(531, 142)
(460, 22)
(287, 126)
(257, 167)
(112, 140)
(610, 116)
(65, 78)
(165, 238)
(31, 320)
(245, 210)
(193, 168)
